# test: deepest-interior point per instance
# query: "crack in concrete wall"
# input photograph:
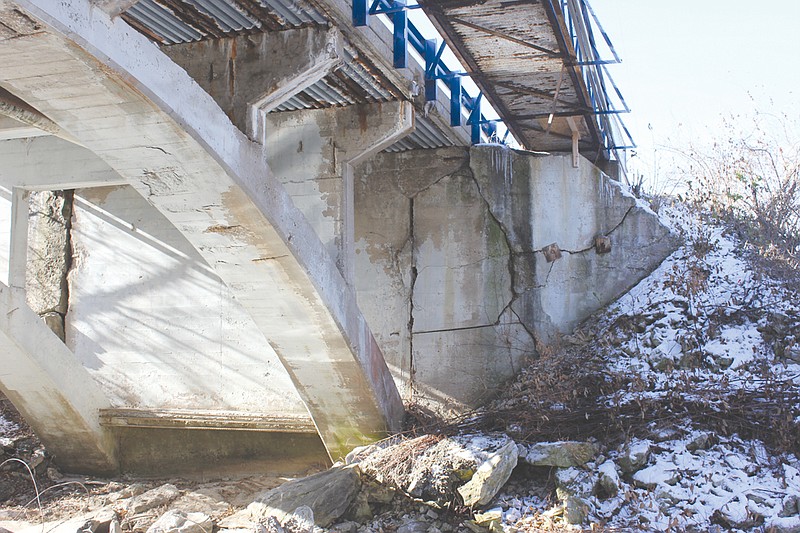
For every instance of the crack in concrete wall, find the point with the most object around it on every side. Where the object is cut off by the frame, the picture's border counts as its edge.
(476, 221)
(513, 257)
(412, 283)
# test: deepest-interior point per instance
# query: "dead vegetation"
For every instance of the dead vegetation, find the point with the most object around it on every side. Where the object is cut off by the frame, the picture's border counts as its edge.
(570, 392)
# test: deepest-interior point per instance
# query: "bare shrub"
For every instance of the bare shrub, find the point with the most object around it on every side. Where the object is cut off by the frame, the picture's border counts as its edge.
(750, 177)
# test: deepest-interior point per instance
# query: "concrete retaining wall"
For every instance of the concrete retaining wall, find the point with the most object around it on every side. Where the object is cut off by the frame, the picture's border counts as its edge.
(450, 268)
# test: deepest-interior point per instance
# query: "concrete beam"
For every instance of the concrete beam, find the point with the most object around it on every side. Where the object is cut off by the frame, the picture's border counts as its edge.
(140, 112)
(254, 73)
(53, 164)
(52, 391)
(376, 41)
(313, 153)
(14, 129)
(15, 108)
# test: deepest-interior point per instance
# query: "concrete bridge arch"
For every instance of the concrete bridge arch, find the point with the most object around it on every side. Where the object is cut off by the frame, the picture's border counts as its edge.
(110, 90)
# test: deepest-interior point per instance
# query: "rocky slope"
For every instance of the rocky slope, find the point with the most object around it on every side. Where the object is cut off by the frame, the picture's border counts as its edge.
(676, 408)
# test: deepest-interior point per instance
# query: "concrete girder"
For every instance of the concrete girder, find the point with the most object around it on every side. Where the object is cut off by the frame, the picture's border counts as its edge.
(313, 153)
(14, 129)
(251, 74)
(19, 111)
(52, 164)
(122, 98)
(51, 389)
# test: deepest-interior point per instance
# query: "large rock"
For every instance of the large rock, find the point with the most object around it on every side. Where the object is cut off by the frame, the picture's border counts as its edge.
(153, 498)
(328, 494)
(490, 476)
(561, 454)
(574, 488)
(634, 457)
(175, 521)
(435, 469)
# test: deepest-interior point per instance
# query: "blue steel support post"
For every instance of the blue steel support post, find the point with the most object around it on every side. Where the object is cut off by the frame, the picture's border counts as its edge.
(491, 129)
(455, 101)
(400, 34)
(475, 120)
(360, 12)
(431, 93)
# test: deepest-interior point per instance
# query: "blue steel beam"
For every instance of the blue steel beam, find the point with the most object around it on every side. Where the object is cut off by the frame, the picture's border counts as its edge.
(400, 21)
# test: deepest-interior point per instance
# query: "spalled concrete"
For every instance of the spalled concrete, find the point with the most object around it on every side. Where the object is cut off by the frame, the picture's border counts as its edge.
(5, 236)
(249, 75)
(49, 256)
(451, 271)
(313, 153)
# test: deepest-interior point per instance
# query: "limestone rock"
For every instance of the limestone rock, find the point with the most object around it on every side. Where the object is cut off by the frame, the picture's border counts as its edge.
(561, 454)
(413, 526)
(175, 521)
(269, 525)
(634, 457)
(790, 506)
(703, 441)
(651, 477)
(428, 468)
(574, 482)
(202, 501)
(576, 510)
(736, 515)
(491, 521)
(490, 475)
(300, 521)
(608, 482)
(344, 527)
(153, 498)
(133, 490)
(328, 495)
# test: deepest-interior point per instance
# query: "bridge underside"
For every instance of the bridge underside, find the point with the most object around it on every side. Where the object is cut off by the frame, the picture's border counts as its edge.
(192, 194)
(242, 235)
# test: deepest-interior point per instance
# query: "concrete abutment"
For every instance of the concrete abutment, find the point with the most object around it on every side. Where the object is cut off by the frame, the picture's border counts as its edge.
(451, 272)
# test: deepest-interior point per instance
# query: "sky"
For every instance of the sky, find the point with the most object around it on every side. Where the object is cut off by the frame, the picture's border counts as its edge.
(686, 64)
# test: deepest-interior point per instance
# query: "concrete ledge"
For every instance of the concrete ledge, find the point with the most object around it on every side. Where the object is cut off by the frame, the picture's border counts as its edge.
(215, 420)
(217, 453)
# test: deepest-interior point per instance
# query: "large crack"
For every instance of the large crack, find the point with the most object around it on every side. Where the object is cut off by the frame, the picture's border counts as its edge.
(412, 283)
(622, 221)
(512, 273)
(69, 255)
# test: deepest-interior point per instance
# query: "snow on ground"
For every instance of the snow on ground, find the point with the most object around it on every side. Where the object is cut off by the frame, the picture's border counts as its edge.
(705, 318)
(7, 427)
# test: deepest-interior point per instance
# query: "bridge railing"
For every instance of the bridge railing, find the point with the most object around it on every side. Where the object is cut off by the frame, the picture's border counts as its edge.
(583, 27)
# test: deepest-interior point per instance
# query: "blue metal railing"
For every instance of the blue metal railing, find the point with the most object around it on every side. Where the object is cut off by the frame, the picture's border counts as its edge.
(404, 33)
(581, 24)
